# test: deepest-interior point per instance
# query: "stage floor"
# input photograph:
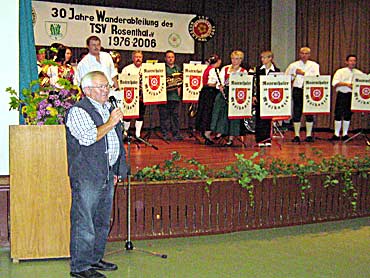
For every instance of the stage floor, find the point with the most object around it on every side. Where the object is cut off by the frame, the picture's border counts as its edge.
(218, 156)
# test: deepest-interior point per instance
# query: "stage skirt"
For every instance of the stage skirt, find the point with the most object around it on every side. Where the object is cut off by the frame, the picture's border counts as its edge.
(205, 108)
(220, 122)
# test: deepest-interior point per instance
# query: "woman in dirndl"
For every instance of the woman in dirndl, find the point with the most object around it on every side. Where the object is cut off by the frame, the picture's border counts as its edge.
(220, 122)
(207, 98)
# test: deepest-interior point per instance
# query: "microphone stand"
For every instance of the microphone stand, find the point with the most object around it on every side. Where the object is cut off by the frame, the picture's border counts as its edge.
(129, 245)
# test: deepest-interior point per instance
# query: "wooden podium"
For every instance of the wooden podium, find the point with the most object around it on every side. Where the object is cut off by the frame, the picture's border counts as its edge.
(40, 194)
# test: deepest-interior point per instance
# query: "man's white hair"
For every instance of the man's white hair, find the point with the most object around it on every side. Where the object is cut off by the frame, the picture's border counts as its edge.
(89, 77)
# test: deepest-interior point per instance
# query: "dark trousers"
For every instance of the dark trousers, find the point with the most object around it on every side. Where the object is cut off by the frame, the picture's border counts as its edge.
(169, 117)
(298, 106)
(343, 107)
(263, 127)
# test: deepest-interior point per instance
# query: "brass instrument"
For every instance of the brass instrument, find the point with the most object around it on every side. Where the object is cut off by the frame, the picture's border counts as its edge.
(174, 80)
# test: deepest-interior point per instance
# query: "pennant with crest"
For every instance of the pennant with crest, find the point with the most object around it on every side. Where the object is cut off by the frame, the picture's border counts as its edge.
(128, 95)
(240, 95)
(154, 83)
(192, 83)
(275, 96)
(360, 93)
(316, 94)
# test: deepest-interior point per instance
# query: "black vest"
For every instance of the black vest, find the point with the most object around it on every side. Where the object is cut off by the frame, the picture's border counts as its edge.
(91, 162)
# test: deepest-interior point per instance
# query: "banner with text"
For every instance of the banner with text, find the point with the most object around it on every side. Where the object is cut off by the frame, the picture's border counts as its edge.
(240, 95)
(117, 28)
(360, 93)
(129, 90)
(192, 83)
(154, 83)
(316, 95)
(275, 99)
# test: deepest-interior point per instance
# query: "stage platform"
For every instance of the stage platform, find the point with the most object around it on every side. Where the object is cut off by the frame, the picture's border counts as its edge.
(218, 156)
(185, 208)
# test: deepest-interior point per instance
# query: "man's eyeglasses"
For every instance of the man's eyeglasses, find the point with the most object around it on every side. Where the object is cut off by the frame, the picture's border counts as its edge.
(103, 86)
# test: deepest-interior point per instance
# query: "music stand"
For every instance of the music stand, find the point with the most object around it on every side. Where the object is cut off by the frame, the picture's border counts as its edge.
(191, 112)
(360, 102)
(361, 133)
(275, 131)
(152, 130)
(314, 131)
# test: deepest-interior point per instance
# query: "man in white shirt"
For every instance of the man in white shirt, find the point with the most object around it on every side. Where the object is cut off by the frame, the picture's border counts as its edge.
(297, 70)
(97, 60)
(135, 69)
(342, 82)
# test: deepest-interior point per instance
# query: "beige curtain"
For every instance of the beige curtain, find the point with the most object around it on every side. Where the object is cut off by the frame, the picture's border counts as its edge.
(333, 29)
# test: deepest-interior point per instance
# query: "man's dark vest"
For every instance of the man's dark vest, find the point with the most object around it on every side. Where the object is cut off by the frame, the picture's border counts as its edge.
(91, 162)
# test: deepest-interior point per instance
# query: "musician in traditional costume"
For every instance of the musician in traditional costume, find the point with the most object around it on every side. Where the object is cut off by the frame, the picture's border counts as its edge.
(342, 82)
(135, 69)
(169, 112)
(298, 70)
(207, 98)
(220, 122)
(64, 69)
(263, 126)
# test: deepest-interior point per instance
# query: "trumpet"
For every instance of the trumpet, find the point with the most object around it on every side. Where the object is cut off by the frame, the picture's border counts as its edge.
(174, 80)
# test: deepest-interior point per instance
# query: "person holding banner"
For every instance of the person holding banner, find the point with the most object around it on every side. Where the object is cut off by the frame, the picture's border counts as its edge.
(207, 98)
(298, 70)
(342, 82)
(263, 127)
(169, 112)
(220, 122)
(135, 69)
(97, 60)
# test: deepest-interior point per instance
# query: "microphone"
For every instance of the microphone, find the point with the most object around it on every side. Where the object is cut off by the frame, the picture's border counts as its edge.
(113, 101)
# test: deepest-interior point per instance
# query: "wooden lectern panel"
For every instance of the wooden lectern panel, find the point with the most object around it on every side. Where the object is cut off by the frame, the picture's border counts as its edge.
(40, 194)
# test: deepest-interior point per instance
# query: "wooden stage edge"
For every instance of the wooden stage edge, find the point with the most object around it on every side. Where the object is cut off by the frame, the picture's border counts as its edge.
(218, 156)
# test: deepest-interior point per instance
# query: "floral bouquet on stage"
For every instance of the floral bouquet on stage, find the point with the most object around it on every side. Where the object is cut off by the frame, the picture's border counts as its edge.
(45, 105)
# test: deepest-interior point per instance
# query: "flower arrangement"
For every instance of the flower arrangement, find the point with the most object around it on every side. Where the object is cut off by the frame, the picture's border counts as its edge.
(45, 105)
